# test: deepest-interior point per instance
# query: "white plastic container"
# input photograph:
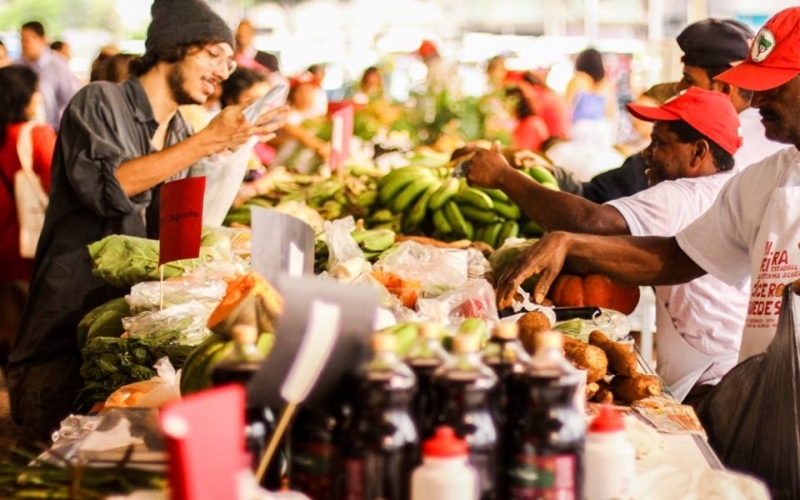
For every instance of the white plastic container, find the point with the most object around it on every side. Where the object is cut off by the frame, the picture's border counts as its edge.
(609, 459)
(444, 473)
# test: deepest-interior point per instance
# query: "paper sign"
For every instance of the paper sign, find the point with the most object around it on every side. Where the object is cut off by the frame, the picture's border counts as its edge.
(204, 434)
(280, 243)
(341, 136)
(358, 307)
(181, 219)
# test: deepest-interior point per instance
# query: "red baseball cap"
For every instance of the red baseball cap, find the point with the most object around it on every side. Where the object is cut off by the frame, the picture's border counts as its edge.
(710, 113)
(774, 57)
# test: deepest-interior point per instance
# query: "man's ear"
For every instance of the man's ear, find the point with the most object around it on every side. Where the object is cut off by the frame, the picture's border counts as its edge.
(702, 152)
(719, 86)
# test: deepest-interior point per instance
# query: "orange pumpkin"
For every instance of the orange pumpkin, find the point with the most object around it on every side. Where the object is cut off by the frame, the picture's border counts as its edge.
(569, 290)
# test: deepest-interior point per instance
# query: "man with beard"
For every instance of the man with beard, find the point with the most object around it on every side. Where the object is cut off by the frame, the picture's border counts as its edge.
(117, 145)
(689, 159)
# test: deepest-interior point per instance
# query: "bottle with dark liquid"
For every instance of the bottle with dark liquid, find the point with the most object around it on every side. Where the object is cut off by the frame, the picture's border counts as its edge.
(505, 355)
(545, 435)
(382, 446)
(424, 357)
(463, 388)
(312, 453)
(238, 367)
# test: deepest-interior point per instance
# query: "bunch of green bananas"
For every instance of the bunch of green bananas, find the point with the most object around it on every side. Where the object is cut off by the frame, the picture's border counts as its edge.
(373, 242)
(421, 200)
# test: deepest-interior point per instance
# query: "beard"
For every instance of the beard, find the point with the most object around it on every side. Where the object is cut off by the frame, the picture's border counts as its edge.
(177, 83)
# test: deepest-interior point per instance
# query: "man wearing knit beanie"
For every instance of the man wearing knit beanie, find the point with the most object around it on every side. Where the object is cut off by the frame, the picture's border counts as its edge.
(118, 143)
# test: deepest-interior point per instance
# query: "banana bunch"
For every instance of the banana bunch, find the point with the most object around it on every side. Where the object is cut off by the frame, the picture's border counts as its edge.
(373, 242)
(422, 200)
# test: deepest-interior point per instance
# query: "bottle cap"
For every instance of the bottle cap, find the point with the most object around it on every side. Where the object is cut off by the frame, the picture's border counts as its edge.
(550, 339)
(506, 331)
(244, 334)
(382, 342)
(429, 331)
(444, 444)
(466, 342)
(609, 420)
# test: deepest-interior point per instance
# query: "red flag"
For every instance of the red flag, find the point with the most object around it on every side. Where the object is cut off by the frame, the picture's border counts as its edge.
(341, 136)
(181, 219)
(204, 435)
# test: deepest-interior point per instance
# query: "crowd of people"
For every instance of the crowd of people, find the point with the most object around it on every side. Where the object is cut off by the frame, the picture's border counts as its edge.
(693, 207)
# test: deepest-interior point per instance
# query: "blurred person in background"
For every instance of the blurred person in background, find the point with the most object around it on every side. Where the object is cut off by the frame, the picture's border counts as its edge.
(118, 67)
(18, 103)
(497, 74)
(442, 76)
(56, 82)
(4, 59)
(530, 130)
(98, 70)
(591, 97)
(369, 87)
(318, 72)
(297, 143)
(62, 48)
(244, 87)
(547, 103)
(118, 144)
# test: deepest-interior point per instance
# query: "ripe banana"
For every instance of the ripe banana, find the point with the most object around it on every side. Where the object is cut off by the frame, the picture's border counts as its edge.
(508, 211)
(478, 216)
(419, 210)
(450, 188)
(440, 222)
(475, 197)
(411, 193)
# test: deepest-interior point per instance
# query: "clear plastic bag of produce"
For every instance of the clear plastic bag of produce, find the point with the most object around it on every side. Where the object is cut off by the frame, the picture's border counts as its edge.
(182, 324)
(752, 417)
(147, 296)
(153, 393)
(436, 269)
(346, 261)
(474, 299)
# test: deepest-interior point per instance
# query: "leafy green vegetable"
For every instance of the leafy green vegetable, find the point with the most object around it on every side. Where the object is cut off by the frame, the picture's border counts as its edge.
(109, 363)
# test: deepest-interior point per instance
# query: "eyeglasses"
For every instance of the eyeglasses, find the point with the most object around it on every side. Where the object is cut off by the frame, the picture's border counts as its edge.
(218, 60)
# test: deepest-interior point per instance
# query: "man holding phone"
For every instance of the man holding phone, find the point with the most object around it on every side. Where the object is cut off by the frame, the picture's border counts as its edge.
(118, 144)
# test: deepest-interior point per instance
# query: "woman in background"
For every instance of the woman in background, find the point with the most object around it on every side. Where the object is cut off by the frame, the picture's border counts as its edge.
(590, 95)
(20, 102)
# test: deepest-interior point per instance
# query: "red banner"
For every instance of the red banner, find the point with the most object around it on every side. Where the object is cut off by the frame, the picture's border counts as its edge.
(181, 219)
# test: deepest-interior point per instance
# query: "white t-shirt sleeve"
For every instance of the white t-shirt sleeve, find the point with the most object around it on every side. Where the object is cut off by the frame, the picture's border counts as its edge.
(669, 206)
(720, 241)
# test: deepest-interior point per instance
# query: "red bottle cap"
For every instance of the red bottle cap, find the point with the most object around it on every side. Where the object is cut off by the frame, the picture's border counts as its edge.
(444, 444)
(609, 420)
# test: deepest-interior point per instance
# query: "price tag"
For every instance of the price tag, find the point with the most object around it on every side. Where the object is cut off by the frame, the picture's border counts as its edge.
(309, 303)
(181, 219)
(280, 244)
(341, 136)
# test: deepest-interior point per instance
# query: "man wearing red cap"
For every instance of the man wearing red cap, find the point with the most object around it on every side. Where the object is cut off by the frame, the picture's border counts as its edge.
(751, 231)
(689, 159)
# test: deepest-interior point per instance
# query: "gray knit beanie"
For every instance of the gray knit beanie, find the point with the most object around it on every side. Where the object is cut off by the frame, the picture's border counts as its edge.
(185, 22)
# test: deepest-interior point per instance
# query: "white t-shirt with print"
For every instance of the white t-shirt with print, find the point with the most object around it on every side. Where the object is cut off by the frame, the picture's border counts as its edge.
(752, 232)
(707, 313)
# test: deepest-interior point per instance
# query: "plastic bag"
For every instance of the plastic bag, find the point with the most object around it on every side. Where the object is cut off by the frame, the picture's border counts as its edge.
(346, 261)
(153, 393)
(434, 268)
(147, 296)
(752, 416)
(474, 299)
(182, 324)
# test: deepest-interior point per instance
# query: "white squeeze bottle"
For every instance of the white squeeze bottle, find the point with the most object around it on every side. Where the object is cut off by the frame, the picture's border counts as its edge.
(444, 473)
(609, 458)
